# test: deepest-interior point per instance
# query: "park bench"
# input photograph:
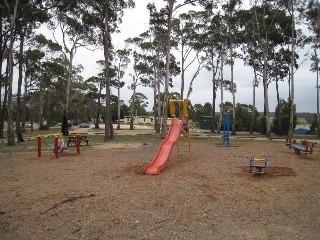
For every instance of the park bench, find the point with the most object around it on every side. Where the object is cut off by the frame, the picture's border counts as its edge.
(244, 137)
(275, 138)
(29, 137)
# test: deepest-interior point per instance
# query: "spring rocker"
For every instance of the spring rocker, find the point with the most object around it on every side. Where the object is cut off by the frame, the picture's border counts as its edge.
(57, 152)
(226, 129)
(258, 164)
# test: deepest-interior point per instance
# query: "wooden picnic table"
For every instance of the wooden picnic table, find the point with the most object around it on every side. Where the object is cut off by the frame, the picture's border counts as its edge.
(72, 139)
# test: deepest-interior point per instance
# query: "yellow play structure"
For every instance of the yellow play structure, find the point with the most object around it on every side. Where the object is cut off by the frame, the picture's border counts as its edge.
(184, 141)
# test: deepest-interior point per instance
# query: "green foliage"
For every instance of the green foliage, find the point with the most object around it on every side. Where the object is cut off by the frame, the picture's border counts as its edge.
(244, 117)
(282, 115)
(314, 124)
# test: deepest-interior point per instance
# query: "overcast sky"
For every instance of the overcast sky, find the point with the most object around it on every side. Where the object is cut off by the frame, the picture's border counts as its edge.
(136, 20)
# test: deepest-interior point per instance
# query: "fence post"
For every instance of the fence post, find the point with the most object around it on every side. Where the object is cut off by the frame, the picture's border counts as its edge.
(78, 143)
(56, 150)
(39, 146)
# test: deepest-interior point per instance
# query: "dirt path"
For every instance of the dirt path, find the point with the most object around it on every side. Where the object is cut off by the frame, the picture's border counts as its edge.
(209, 194)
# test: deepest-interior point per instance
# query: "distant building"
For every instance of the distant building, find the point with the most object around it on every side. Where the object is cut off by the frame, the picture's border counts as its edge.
(149, 120)
(139, 120)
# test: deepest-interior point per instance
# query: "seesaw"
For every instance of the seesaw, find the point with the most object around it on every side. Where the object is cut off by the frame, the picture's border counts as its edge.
(298, 149)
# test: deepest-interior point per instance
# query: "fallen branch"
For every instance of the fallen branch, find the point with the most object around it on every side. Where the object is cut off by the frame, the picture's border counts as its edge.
(72, 199)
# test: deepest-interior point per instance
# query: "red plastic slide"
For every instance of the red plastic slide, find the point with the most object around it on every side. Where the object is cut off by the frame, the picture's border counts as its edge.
(164, 152)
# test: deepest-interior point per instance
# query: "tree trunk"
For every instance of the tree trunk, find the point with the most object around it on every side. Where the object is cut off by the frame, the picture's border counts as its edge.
(155, 98)
(182, 69)
(166, 85)
(24, 107)
(96, 124)
(41, 103)
(133, 104)
(119, 100)
(221, 94)
(279, 112)
(18, 111)
(265, 93)
(65, 121)
(290, 130)
(318, 103)
(106, 36)
(253, 114)
(159, 124)
(3, 113)
(1, 81)
(10, 128)
(233, 127)
(213, 112)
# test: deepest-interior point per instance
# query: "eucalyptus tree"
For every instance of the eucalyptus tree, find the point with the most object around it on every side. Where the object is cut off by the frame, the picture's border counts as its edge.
(104, 16)
(151, 47)
(291, 7)
(187, 32)
(4, 46)
(12, 14)
(70, 22)
(29, 16)
(43, 67)
(312, 15)
(96, 85)
(139, 76)
(230, 8)
(249, 40)
(121, 62)
(170, 8)
(271, 26)
(214, 39)
(156, 46)
(279, 70)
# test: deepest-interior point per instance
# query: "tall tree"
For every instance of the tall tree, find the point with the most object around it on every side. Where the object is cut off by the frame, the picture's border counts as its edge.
(230, 8)
(104, 16)
(12, 10)
(121, 63)
(70, 22)
(312, 14)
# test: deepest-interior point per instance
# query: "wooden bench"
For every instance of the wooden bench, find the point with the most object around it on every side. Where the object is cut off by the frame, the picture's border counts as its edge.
(29, 137)
(279, 138)
(252, 137)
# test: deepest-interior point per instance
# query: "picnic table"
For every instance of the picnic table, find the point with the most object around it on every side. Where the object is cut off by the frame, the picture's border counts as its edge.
(72, 139)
